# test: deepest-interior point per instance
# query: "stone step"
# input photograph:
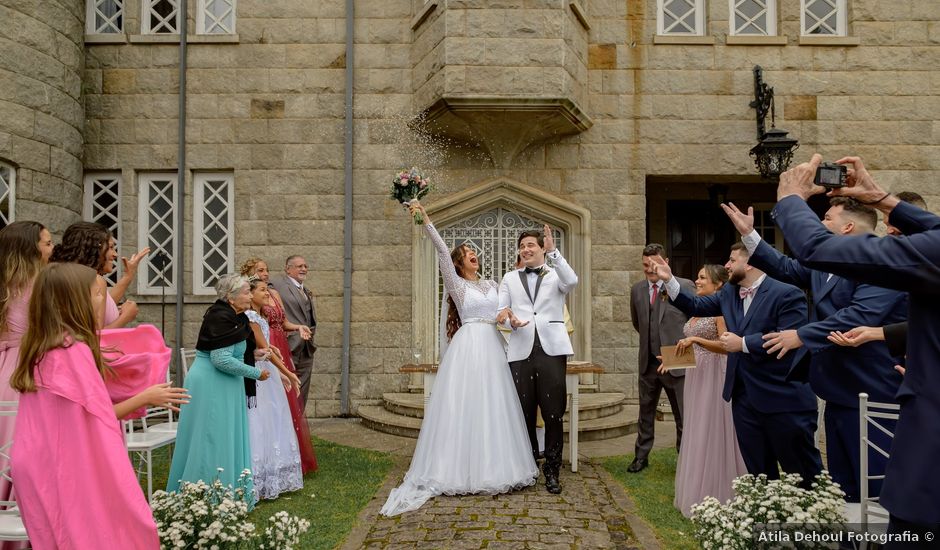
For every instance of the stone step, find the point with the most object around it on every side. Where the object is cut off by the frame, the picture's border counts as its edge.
(615, 425)
(593, 405)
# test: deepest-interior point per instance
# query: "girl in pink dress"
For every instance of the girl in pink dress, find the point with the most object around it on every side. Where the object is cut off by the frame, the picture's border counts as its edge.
(709, 458)
(274, 313)
(75, 485)
(92, 245)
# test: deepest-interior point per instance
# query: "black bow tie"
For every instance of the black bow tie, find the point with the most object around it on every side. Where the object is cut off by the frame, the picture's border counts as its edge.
(533, 270)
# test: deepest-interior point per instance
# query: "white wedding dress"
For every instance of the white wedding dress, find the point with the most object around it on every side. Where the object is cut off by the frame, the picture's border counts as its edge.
(473, 438)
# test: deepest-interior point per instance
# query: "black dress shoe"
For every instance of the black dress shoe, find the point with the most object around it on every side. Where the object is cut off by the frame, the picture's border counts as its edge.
(637, 465)
(552, 485)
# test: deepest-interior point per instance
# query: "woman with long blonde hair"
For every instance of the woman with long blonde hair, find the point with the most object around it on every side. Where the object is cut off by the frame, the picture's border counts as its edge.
(75, 485)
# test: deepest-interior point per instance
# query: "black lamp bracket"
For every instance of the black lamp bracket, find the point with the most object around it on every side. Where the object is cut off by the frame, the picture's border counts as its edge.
(763, 102)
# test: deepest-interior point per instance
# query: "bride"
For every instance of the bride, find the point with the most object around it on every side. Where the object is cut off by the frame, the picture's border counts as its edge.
(473, 438)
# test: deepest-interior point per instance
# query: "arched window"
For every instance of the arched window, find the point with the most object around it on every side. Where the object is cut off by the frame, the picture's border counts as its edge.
(7, 193)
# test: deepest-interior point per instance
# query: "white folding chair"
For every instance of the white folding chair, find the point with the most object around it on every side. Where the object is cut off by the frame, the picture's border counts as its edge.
(144, 442)
(11, 524)
(872, 414)
(186, 358)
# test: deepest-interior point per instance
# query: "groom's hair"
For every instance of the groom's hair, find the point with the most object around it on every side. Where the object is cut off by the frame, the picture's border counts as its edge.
(539, 238)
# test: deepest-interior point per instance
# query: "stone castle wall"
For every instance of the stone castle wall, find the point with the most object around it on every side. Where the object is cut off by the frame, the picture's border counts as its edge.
(270, 107)
(41, 115)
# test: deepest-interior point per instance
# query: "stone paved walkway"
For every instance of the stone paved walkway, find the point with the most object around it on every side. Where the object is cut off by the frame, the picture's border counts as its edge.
(592, 512)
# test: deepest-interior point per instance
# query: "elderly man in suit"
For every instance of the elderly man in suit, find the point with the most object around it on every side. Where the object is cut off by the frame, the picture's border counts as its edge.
(836, 374)
(774, 418)
(659, 324)
(909, 263)
(300, 308)
(539, 346)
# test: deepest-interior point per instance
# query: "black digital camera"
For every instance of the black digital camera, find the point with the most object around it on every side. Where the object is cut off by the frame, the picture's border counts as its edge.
(830, 175)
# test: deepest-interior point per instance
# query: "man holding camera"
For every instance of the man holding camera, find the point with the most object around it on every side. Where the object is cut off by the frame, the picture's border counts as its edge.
(909, 263)
(836, 374)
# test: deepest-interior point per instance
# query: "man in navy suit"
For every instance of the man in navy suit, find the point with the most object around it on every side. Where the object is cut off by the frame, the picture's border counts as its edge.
(774, 418)
(836, 374)
(910, 263)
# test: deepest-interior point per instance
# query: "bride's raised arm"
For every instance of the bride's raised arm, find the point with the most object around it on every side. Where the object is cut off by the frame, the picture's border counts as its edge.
(452, 281)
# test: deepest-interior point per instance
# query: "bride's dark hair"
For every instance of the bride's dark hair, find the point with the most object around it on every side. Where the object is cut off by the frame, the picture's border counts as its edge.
(453, 317)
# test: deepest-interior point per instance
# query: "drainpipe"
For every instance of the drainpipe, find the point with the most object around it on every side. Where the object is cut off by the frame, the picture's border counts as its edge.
(181, 191)
(348, 212)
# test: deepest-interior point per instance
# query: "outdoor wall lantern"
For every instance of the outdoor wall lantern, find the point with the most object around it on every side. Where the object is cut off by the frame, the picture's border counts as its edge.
(774, 150)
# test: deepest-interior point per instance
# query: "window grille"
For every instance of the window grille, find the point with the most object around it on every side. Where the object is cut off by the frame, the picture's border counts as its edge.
(681, 17)
(157, 229)
(160, 17)
(213, 230)
(7, 194)
(104, 16)
(823, 17)
(754, 17)
(103, 205)
(216, 17)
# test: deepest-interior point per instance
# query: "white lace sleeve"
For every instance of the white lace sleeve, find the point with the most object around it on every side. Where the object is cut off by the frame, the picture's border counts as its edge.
(452, 282)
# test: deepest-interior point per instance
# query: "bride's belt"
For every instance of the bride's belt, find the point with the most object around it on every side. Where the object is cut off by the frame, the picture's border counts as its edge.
(479, 320)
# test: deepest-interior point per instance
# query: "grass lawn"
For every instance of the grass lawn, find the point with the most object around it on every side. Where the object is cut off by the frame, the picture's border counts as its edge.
(653, 490)
(332, 496)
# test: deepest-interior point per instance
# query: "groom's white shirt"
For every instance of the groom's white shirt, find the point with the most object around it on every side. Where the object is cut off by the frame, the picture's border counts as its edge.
(546, 315)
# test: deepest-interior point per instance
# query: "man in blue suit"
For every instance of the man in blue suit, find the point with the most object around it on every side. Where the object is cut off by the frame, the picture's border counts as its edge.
(774, 418)
(910, 263)
(836, 374)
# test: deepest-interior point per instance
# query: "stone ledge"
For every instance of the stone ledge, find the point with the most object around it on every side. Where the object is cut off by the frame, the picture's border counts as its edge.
(190, 38)
(423, 13)
(579, 14)
(756, 40)
(684, 40)
(106, 38)
(830, 41)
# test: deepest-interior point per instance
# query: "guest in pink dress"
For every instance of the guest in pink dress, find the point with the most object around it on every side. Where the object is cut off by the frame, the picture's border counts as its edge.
(709, 458)
(25, 248)
(75, 485)
(279, 324)
(92, 245)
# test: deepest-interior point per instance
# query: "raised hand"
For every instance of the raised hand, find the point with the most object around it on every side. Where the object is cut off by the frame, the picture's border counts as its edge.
(860, 185)
(131, 265)
(799, 180)
(662, 268)
(782, 341)
(548, 239)
(415, 207)
(744, 223)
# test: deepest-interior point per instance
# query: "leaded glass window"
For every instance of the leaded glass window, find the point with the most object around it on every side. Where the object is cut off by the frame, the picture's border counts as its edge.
(753, 17)
(680, 17)
(823, 17)
(103, 205)
(104, 16)
(7, 193)
(160, 17)
(216, 17)
(213, 230)
(157, 229)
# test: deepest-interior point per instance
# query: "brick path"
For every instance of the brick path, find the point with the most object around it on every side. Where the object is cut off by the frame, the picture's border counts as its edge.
(592, 512)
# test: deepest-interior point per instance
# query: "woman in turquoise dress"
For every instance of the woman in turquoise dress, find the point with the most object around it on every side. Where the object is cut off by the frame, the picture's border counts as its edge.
(213, 428)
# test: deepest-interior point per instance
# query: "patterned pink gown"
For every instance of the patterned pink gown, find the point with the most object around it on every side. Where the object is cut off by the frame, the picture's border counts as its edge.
(75, 484)
(709, 458)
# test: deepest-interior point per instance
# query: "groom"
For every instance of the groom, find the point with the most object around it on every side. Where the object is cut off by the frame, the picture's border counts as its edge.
(539, 346)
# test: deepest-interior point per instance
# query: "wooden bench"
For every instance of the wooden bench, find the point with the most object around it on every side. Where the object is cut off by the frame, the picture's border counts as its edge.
(572, 378)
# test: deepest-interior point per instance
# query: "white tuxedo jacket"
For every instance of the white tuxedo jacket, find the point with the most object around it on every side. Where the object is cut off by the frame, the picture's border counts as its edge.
(544, 309)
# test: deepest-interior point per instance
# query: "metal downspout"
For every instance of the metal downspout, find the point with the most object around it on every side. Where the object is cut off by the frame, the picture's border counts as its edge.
(348, 212)
(180, 192)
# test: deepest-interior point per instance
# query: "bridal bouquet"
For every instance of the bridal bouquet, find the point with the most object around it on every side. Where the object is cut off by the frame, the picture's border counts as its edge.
(204, 515)
(410, 186)
(765, 512)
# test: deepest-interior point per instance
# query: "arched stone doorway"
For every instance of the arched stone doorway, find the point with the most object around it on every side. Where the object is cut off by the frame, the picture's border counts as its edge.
(490, 215)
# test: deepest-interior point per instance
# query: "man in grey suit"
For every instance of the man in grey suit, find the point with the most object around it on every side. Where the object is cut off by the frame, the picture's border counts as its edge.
(659, 324)
(300, 309)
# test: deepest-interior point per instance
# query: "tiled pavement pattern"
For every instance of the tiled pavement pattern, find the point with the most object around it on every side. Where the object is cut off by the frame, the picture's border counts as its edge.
(591, 512)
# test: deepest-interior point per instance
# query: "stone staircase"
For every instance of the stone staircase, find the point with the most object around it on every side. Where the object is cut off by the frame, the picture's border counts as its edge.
(603, 415)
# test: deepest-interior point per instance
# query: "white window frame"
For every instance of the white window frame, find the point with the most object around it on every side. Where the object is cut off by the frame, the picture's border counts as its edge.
(201, 248)
(841, 19)
(93, 211)
(770, 19)
(699, 20)
(202, 17)
(91, 18)
(146, 18)
(146, 183)
(10, 195)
